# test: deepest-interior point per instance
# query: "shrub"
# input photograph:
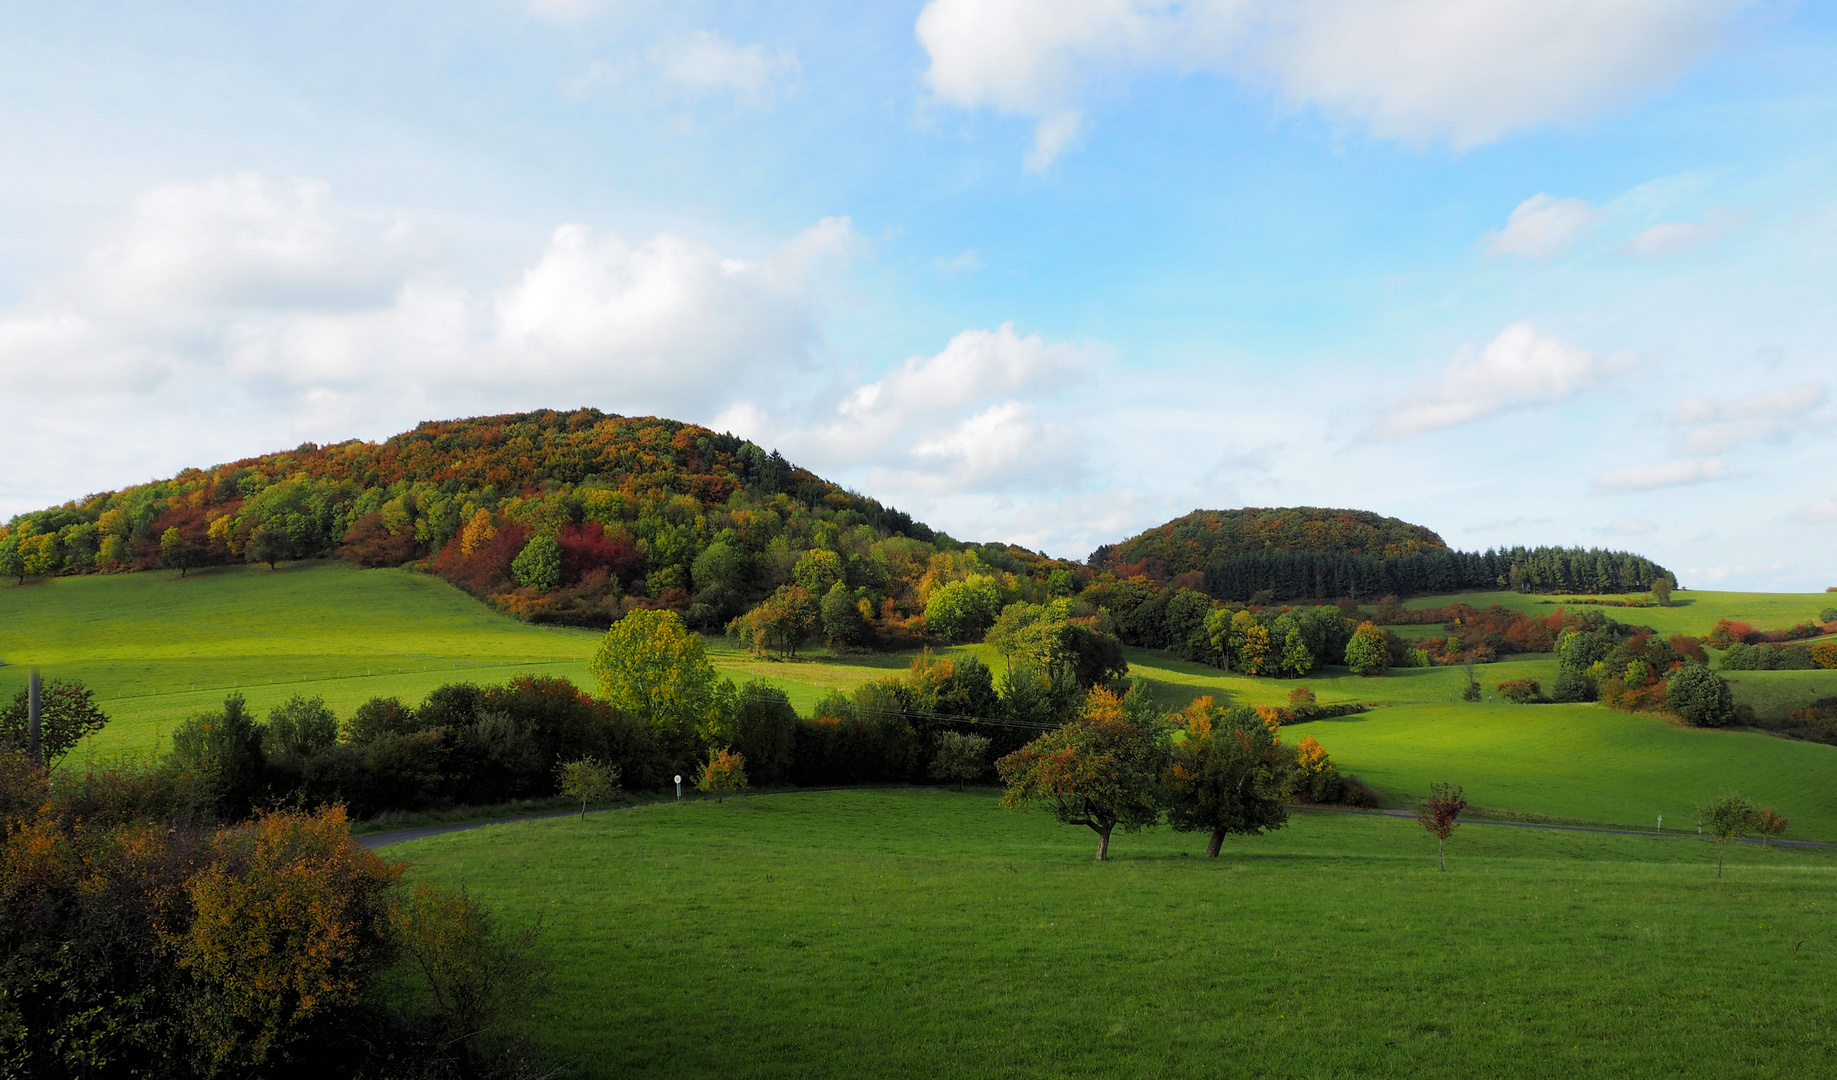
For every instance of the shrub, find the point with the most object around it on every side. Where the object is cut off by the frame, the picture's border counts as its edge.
(1824, 654)
(960, 759)
(1522, 691)
(1301, 698)
(723, 774)
(1356, 792)
(1572, 686)
(1700, 696)
(216, 761)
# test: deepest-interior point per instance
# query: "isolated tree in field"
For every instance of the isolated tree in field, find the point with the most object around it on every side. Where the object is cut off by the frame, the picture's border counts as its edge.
(1441, 814)
(722, 775)
(1101, 771)
(588, 780)
(1700, 696)
(961, 759)
(1301, 698)
(1368, 653)
(1769, 824)
(1661, 590)
(654, 670)
(1472, 692)
(1727, 817)
(1227, 777)
(67, 713)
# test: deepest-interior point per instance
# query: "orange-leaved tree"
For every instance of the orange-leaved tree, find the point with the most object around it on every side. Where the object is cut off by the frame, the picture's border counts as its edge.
(1101, 771)
(289, 919)
(724, 774)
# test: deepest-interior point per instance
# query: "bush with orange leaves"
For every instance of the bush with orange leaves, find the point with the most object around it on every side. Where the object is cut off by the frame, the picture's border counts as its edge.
(139, 948)
(289, 923)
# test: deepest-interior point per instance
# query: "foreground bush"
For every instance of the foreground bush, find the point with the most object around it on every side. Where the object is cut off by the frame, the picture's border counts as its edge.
(131, 947)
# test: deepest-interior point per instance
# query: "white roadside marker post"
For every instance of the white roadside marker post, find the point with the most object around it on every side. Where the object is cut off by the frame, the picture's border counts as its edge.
(678, 787)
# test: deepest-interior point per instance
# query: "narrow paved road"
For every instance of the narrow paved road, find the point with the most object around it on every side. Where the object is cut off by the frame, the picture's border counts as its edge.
(403, 836)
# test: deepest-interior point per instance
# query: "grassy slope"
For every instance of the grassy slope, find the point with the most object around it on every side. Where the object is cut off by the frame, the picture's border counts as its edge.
(158, 647)
(1691, 612)
(927, 934)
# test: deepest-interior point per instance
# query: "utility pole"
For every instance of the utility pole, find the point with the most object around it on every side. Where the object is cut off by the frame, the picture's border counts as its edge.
(34, 747)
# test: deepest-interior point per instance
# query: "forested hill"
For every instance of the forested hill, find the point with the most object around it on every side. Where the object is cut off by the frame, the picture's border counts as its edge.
(1312, 553)
(571, 517)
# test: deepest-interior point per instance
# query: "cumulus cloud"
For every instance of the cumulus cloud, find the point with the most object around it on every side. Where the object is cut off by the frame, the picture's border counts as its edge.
(1675, 473)
(1418, 70)
(1670, 238)
(264, 301)
(1712, 426)
(705, 62)
(1630, 526)
(1521, 368)
(1542, 228)
(966, 418)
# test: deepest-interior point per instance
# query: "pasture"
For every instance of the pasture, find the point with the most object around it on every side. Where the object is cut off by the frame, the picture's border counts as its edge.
(1691, 612)
(925, 933)
(157, 647)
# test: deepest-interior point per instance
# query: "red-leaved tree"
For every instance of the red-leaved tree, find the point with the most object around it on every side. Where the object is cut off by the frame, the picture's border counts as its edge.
(1441, 814)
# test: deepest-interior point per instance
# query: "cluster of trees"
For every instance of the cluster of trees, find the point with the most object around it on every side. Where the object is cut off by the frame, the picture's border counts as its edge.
(1630, 668)
(1117, 766)
(140, 941)
(1264, 555)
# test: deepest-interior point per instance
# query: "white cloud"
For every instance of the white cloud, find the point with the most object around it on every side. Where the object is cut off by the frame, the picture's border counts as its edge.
(1674, 473)
(1713, 426)
(267, 303)
(967, 418)
(1670, 238)
(1630, 526)
(1418, 70)
(705, 62)
(1818, 513)
(1541, 228)
(1521, 368)
(564, 10)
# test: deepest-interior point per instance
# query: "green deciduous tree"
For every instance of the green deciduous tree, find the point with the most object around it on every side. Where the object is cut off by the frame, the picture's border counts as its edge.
(176, 552)
(960, 759)
(843, 623)
(1368, 653)
(67, 714)
(651, 668)
(588, 780)
(538, 565)
(963, 610)
(1700, 696)
(12, 562)
(817, 571)
(1727, 817)
(1661, 590)
(1101, 771)
(1227, 777)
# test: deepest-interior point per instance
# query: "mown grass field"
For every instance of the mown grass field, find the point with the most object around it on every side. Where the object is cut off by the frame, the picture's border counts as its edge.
(927, 933)
(157, 648)
(1691, 612)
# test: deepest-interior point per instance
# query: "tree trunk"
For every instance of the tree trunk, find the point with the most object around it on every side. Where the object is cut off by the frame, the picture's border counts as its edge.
(1441, 852)
(1103, 843)
(583, 809)
(1718, 858)
(1218, 841)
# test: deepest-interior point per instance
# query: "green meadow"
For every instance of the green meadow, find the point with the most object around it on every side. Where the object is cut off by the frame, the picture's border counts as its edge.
(1691, 612)
(925, 933)
(157, 648)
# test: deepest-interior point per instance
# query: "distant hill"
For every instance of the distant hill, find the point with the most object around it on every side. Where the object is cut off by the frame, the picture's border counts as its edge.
(1307, 552)
(633, 504)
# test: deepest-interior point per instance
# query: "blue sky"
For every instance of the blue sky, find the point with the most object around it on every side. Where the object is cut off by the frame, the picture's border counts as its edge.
(1051, 272)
